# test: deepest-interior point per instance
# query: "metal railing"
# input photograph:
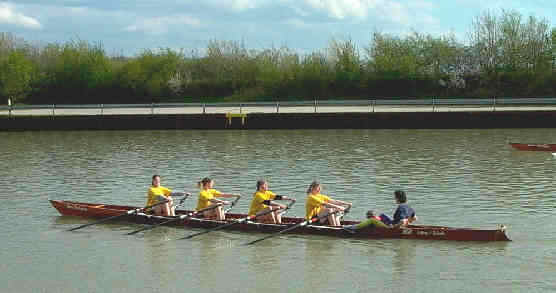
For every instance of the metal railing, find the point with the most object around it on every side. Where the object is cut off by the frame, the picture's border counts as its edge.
(314, 106)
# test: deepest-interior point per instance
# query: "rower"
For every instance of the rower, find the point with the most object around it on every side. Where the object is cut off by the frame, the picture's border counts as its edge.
(209, 202)
(158, 193)
(403, 215)
(320, 205)
(263, 202)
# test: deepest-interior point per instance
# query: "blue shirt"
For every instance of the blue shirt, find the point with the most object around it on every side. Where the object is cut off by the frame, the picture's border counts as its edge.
(403, 211)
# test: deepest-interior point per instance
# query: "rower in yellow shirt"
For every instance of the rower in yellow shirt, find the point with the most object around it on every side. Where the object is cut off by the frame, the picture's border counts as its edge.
(208, 200)
(263, 202)
(158, 193)
(320, 205)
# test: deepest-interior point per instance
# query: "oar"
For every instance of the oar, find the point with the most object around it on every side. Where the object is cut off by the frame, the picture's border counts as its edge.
(236, 222)
(165, 222)
(233, 203)
(304, 223)
(181, 217)
(118, 216)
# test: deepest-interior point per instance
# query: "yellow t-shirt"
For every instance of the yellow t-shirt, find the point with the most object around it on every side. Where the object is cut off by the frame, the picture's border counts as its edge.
(154, 192)
(257, 204)
(205, 196)
(313, 204)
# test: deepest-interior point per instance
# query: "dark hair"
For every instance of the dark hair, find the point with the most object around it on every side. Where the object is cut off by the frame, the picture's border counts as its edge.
(260, 183)
(154, 176)
(370, 213)
(400, 196)
(313, 185)
(203, 182)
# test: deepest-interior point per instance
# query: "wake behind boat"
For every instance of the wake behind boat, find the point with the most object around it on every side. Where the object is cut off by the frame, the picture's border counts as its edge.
(99, 211)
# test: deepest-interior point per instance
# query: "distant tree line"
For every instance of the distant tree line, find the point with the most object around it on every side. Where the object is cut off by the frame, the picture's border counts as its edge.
(507, 54)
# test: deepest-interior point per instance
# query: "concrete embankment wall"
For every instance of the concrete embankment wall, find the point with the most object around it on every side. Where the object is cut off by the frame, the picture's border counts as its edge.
(413, 120)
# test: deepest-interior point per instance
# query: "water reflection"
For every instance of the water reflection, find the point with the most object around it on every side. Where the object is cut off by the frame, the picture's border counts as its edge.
(403, 261)
(319, 260)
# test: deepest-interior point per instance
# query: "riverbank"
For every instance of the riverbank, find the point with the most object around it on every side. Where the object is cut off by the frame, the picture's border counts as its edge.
(381, 120)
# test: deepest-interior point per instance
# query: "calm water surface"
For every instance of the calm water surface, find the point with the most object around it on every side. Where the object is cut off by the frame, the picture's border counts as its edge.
(463, 178)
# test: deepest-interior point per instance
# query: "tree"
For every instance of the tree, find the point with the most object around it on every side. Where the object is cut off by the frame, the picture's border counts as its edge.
(553, 81)
(16, 76)
(151, 75)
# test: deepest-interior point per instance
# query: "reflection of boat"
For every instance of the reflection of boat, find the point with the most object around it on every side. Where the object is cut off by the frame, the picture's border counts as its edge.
(90, 210)
(547, 147)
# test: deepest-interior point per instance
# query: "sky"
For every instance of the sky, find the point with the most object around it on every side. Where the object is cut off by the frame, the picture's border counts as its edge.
(127, 27)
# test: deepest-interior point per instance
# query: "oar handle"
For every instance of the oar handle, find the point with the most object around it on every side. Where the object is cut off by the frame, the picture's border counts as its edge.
(238, 196)
(347, 209)
(233, 203)
(292, 201)
(150, 207)
(185, 196)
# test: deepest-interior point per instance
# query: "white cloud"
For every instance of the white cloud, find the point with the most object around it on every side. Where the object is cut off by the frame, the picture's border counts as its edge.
(9, 15)
(161, 25)
(297, 23)
(238, 5)
(341, 9)
(397, 12)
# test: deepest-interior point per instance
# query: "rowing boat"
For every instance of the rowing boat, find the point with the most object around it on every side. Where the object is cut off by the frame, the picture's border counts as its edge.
(92, 210)
(546, 147)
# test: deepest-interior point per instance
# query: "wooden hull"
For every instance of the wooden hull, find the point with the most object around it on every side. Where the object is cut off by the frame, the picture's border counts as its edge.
(543, 147)
(90, 210)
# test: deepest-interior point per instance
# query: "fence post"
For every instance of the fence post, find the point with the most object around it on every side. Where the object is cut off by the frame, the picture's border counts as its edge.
(101, 109)
(494, 104)
(315, 105)
(152, 108)
(53, 107)
(277, 107)
(9, 108)
(433, 104)
(204, 111)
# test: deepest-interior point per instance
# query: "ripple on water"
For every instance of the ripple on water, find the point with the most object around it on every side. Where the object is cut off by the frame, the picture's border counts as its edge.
(468, 178)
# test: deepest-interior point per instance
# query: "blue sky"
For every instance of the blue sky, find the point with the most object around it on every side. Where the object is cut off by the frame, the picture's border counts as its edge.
(128, 26)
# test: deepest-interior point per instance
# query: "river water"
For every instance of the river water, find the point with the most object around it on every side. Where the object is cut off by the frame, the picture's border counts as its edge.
(461, 178)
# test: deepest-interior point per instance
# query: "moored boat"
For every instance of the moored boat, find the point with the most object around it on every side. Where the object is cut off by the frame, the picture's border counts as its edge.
(92, 210)
(546, 147)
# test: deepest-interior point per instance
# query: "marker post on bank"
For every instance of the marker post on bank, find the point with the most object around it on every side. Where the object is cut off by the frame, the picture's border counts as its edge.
(9, 108)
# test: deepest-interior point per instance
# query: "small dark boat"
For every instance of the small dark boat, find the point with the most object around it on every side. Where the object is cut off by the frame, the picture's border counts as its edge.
(545, 147)
(98, 211)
